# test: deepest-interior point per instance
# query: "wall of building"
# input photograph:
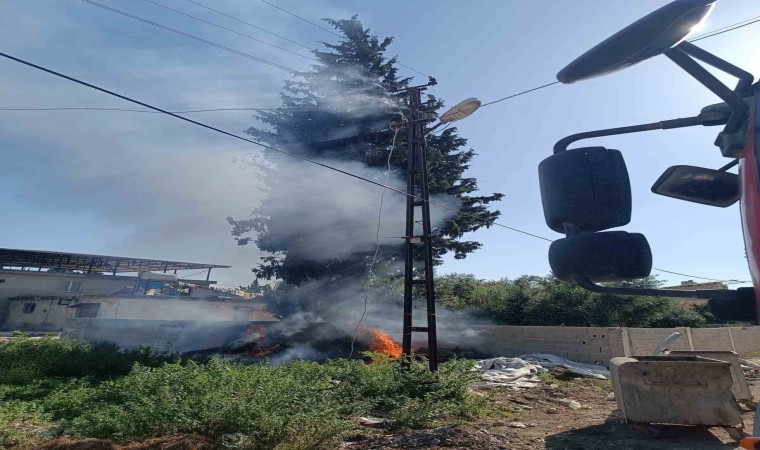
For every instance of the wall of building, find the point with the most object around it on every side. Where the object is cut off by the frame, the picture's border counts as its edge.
(50, 314)
(170, 336)
(31, 283)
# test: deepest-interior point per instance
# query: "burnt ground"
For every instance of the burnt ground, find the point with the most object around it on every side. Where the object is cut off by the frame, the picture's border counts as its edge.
(553, 426)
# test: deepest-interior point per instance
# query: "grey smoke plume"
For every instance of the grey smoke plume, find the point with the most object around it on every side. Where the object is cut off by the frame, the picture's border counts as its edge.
(331, 215)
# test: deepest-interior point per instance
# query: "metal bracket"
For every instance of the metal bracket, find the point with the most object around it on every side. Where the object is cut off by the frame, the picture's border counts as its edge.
(733, 138)
(589, 285)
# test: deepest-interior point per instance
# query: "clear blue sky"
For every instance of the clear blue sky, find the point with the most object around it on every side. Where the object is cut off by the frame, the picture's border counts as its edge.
(147, 186)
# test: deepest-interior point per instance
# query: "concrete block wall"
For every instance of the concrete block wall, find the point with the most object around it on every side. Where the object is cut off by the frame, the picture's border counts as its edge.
(745, 339)
(644, 341)
(586, 344)
(599, 344)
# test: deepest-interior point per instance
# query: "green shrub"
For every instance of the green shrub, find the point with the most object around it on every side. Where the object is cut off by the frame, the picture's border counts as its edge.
(302, 405)
(21, 422)
(28, 360)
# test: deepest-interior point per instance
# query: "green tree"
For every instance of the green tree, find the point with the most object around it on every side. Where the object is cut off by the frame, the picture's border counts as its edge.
(532, 300)
(347, 110)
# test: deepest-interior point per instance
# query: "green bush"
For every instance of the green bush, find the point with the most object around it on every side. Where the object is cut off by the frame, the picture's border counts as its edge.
(302, 405)
(51, 385)
(21, 422)
(28, 360)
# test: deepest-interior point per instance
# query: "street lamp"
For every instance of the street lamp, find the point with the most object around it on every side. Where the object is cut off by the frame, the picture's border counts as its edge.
(460, 110)
(463, 109)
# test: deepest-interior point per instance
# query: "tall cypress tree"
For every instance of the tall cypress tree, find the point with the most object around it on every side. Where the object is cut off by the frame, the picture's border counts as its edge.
(313, 108)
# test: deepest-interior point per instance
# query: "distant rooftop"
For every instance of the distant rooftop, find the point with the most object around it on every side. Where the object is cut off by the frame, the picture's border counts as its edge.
(12, 258)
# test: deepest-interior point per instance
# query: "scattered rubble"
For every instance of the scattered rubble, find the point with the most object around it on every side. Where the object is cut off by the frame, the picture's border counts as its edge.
(371, 421)
(572, 404)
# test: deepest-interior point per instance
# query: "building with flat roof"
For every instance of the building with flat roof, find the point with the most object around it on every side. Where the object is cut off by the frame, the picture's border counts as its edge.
(39, 290)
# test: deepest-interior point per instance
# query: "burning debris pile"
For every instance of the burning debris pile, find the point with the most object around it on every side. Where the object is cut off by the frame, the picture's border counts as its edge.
(316, 341)
(382, 343)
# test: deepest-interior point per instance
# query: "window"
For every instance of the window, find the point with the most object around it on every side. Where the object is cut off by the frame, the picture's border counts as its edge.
(28, 308)
(71, 286)
(87, 310)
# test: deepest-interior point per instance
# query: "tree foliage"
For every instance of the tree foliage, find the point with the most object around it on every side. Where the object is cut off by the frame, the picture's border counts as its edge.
(533, 300)
(347, 120)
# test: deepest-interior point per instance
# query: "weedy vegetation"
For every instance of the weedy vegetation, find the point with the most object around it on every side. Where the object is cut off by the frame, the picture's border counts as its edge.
(51, 387)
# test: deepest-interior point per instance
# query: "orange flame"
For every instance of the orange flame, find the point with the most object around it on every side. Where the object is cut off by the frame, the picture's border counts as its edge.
(264, 351)
(382, 343)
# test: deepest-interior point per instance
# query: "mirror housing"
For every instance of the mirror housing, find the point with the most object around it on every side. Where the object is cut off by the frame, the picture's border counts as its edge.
(605, 256)
(699, 185)
(587, 187)
(649, 36)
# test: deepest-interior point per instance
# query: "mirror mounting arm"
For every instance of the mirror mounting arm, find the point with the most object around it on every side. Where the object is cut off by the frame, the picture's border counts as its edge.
(706, 118)
(723, 294)
(740, 109)
(745, 78)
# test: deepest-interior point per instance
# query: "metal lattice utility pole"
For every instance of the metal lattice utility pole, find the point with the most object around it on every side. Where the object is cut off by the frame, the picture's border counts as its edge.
(419, 253)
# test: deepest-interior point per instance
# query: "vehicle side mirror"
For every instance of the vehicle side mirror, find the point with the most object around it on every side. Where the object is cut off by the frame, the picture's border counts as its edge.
(699, 185)
(605, 256)
(587, 187)
(649, 36)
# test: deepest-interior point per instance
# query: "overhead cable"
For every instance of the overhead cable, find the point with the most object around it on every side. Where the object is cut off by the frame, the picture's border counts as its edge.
(710, 34)
(136, 110)
(213, 44)
(305, 20)
(334, 33)
(520, 93)
(293, 155)
(227, 133)
(701, 278)
(230, 30)
(248, 23)
(726, 29)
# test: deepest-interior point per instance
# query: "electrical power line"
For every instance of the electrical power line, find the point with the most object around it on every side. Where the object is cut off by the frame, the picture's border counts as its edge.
(249, 24)
(710, 34)
(305, 20)
(520, 93)
(230, 30)
(136, 110)
(701, 278)
(726, 29)
(371, 268)
(213, 44)
(226, 133)
(334, 34)
(201, 124)
(218, 130)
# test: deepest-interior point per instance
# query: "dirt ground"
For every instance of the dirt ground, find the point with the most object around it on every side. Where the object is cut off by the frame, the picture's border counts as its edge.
(551, 425)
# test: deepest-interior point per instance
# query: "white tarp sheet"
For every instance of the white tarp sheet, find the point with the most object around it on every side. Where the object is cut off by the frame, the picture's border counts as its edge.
(522, 372)
(549, 361)
(502, 371)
